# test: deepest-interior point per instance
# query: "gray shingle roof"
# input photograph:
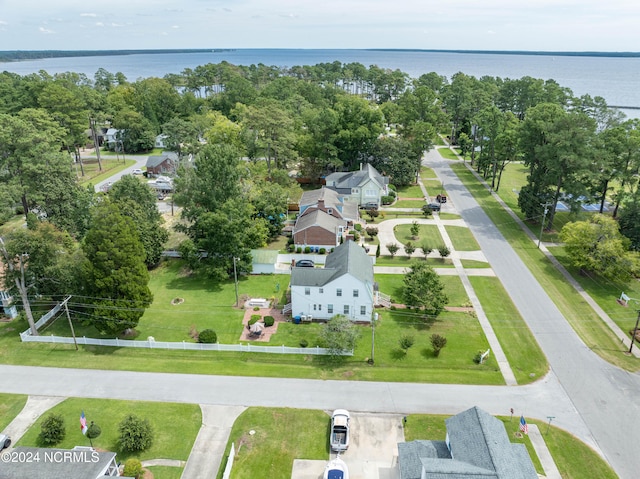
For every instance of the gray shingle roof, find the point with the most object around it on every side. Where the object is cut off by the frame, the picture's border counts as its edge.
(480, 449)
(321, 219)
(156, 160)
(311, 198)
(79, 466)
(354, 179)
(348, 257)
(410, 456)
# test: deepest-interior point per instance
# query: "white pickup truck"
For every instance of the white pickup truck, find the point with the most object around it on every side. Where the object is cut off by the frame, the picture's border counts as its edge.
(5, 441)
(340, 430)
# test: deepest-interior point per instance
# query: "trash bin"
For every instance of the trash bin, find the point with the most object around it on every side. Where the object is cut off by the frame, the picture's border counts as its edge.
(296, 319)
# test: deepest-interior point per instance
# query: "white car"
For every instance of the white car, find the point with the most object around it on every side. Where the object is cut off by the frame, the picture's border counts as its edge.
(137, 171)
(336, 469)
(5, 441)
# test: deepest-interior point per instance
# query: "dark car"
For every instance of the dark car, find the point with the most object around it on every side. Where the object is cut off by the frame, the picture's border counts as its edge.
(369, 206)
(305, 263)
(432, 207)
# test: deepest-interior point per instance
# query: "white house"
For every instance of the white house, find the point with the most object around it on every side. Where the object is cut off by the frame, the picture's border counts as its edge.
(365, 186)
(344, 286)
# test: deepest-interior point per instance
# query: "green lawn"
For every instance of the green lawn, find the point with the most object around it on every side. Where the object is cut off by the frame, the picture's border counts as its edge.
(447, 154)
(392, 284)
(185, 421)
(280, 436)
(574, 459)
(166, 472)
(522, 350)
(434, 187)
(591, 329)
(471, 263)
(427, 173)
(426, 233)
(408, 204)
(405, 261)
(110, 166)
(10, 406)
(411, 191)
(462, 238)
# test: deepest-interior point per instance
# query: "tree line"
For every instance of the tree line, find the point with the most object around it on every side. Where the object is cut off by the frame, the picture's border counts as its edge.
(248, 129)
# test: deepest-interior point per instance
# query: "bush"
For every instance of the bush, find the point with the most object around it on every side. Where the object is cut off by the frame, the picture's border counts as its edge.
(358, 227)
(304, 343)
(392, 187)
(269, 321)
(387, 200)
(409, 248)
(393, 194)
(292, 248)
(256, 308)
(322, 251)
(132, 468)
(299, 249)
(478, 357)
(52, 430)
(406, 342)
(444, 251)
(307, 249)
(372, 231)
(437, 343)
(254, 319)
(135, 434)
(207, 336)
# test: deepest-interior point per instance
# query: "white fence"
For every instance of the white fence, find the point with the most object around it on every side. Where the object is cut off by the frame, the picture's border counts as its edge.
(184, 345)
(227, 468)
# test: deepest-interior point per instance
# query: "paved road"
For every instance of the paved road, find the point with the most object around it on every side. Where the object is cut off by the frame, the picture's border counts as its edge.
(140, 162)
(606, 397)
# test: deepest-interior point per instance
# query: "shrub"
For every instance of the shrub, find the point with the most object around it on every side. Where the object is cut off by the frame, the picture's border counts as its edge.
(207, 336)
(132, 468)
(135, 434)
(406, 342)
(358, 227)
(392, 187)
(378, 251)
(254, 319)
(299, 249)
(478, 357)
(444, 251)
(372, 231)
(409, 248)
(292, 248)
(393, 194)
(52, 430)
(93, 431)
(387, 200)
(256, 308)
(269, 320)
(304, 343)
(393, 249)
(437, 343)
(322, 251)
(307, 249)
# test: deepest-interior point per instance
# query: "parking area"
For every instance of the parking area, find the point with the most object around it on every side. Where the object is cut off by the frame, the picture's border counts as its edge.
(372, 453)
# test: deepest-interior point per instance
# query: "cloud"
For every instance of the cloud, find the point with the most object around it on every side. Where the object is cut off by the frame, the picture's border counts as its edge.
(99, 24)
(46, 31)
(117, 25)
(175, 26)
(88, 15)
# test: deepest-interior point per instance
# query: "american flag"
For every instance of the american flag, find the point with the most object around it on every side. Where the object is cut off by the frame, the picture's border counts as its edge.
(523, 425)
(83, 423)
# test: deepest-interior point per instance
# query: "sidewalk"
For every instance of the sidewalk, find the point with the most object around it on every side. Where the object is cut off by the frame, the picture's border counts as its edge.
(35, 407)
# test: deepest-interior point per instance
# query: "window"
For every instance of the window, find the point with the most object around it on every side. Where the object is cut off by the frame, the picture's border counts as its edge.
(321, 291)
(315, 307)
(363, 310)
(338, 292)
(355, 293)
(330, 308)
(307, 291)
(319, 307)
(370, 193)
(346, 309)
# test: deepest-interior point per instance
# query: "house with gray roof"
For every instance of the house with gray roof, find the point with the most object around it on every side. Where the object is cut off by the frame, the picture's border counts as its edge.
(46, 463)
(344, 286)
(318, 229)
(330, 202)
(477, 446)
(164, 164)
(363, 187)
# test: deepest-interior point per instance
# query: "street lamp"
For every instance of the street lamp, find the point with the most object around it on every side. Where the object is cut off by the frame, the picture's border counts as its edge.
(635, 332)
(624, 300)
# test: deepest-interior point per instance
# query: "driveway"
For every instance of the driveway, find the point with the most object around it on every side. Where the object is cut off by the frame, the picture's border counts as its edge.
(372, 453)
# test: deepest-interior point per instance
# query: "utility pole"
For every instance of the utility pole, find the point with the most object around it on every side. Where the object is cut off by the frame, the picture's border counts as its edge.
(73, 332)
(544, 218)
(94, 137)
(635, 331)
(235, 277)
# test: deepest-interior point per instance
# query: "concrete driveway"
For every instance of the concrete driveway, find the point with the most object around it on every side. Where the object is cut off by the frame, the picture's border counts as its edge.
(372, 453)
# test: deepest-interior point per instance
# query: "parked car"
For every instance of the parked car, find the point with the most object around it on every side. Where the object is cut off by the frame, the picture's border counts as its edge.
(5, 441)
(340, 430)
(305, 263)
(432, 207)
(336, 469)
(369, 206)
(137, 171)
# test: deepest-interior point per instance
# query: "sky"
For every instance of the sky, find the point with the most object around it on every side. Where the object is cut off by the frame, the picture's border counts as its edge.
(539, 25)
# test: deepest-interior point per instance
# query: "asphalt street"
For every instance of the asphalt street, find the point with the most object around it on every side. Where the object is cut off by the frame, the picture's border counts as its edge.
(605, 397)
(587, 396)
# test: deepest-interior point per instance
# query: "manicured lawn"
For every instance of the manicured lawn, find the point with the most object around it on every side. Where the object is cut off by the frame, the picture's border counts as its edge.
(166, 472)
(427, 173)
(447, 154)
(184, 423)
(408, 204)
(449, 216)
(278, 244)
(412, 191)
(391, 214)
(280, 436)
(10, 406)
(434, 187)
(591, 329)
(472, 263)
(392, 284)
(426, 233)
(405, 261)
(462, 238)
(93, 175)
(522, 350)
